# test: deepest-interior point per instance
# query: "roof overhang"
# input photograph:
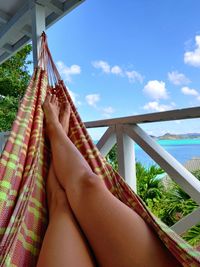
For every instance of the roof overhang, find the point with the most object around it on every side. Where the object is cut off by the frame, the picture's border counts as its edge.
(16, 22)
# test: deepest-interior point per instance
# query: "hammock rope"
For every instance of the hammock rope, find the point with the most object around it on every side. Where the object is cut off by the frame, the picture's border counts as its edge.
(24, 166)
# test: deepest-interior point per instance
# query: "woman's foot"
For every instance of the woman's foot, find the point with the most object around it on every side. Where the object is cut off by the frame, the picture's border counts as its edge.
(56, 114)
(51, 111)
(64, 116)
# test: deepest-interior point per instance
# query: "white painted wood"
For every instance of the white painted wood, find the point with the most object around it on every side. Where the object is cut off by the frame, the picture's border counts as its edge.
(176, 114)
(8, 47)
(3, 138)
(38, 26)
(177, 172)
(4, 18)
(27, 30)
(126, 157)
(14, 23)
(15, 30)
(107, 141)
(187, 222)
(56, 6)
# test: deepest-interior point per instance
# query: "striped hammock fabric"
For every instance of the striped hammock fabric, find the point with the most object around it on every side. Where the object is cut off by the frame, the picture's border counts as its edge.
(23, 170)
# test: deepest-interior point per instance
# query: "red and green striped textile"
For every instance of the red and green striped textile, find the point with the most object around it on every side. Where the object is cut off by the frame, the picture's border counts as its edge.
(23, 169)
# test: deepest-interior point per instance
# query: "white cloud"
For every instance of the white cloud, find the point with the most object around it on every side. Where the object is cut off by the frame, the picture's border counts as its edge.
(189, 91)
(193, 57)
(177, 78)
(103, 65)
(116, 70)
(67, 72)
(155, 106)
(92, 99)
(134, 76)
(108, 111)
(156, 90)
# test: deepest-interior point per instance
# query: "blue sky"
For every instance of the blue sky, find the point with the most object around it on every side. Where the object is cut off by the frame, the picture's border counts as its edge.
(121, 58)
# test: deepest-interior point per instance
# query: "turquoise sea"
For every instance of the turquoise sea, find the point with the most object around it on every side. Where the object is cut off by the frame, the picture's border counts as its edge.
(183, 150)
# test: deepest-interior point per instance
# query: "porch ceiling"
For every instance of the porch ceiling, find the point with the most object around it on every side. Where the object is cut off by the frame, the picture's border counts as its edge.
(16, 25)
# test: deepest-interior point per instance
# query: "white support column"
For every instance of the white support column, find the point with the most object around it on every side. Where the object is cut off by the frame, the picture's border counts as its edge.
(38, 26)
(126, 157)
(177, 172)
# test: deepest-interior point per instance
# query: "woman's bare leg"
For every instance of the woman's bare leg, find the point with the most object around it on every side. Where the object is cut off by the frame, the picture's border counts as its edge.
(64, 243)
(118, 235)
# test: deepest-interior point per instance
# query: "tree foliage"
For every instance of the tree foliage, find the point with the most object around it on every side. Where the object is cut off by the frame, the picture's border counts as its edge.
(8, 110)
(112, 157)
(149, 187)
(14, 78)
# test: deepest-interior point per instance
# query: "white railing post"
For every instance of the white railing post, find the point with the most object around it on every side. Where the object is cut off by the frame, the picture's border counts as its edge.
(126, 157)
(38, 26)
(3, 138)
(187, 222)
(179, 174)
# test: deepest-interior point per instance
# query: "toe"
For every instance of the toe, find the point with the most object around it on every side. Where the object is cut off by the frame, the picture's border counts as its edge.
(53, 98)
(66, 107)
(48, 98)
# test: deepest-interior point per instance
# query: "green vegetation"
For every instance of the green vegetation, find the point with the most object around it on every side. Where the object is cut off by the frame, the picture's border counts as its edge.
(14, 78)
(169, 204)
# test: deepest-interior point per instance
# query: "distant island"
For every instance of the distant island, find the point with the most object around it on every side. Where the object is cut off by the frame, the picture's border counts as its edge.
(169, 136)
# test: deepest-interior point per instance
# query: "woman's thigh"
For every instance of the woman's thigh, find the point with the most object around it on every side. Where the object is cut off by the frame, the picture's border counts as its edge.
(117, 234)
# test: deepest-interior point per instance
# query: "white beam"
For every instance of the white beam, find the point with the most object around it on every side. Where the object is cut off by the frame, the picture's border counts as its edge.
(9, 30)
(68, 6)
(11, 49)
(4, 18)
(27, 30)
(176, 114)
(8, 47)
(126, 157)
(16, 22)
(5, 56)
(187, 181)
(71, 4)
(107, 141)
(20, 22)
(55, 8)
(38, 26)
(53, 5)
(187, 222)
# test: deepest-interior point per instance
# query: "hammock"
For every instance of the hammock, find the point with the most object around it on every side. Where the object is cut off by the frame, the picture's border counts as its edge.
(24, 167)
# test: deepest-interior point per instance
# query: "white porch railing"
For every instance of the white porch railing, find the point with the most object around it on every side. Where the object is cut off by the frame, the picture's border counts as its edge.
(3, 138)
(125, 131)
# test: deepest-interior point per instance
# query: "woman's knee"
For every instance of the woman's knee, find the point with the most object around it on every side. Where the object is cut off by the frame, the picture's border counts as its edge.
(90, 182)
(84, 187)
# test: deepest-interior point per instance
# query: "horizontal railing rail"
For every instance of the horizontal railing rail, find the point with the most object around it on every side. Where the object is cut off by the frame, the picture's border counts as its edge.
(176, 114)
(125, 131)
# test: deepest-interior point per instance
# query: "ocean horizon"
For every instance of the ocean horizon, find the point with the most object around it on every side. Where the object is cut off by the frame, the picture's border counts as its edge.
(181, 149)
